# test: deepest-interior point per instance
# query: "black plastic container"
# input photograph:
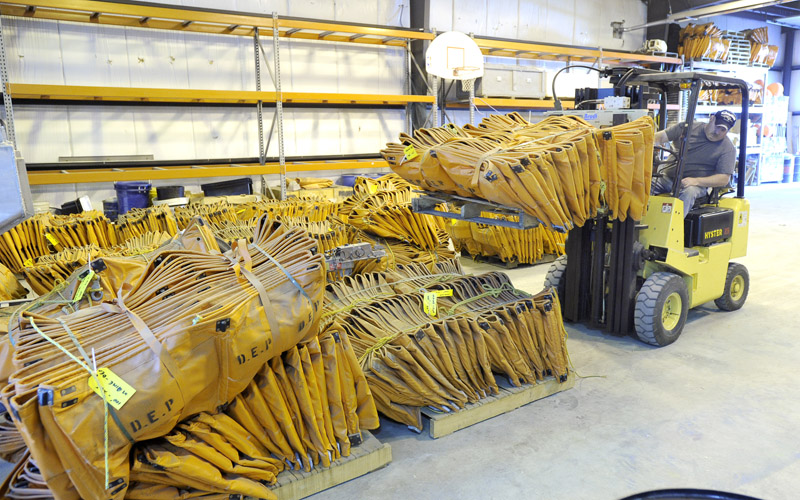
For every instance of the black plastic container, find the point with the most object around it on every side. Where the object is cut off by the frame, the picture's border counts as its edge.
(228, 188)
(169, 192)
(71, 207)
(111, 209)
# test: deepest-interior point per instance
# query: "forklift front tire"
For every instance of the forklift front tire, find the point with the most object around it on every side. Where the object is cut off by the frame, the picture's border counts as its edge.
(556, 277)
(661, 308)
(737, 284)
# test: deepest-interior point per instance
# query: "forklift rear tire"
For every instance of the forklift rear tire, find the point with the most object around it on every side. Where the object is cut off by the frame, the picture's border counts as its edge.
(737, 284)
(557, 277)
(661, 308)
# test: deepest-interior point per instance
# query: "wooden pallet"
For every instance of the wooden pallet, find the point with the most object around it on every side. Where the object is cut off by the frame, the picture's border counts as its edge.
(509, 398)
(370, 455)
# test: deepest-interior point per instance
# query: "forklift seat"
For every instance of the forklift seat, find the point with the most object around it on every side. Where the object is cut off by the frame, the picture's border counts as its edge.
(713, 196)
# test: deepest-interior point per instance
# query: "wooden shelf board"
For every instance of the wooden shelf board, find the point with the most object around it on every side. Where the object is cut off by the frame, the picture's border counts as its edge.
(67, 176)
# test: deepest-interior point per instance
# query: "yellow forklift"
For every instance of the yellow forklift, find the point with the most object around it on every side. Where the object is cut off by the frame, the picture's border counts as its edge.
(644, 276)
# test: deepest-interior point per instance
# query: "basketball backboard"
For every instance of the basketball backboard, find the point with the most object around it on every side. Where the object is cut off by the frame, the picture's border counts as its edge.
(454, 56)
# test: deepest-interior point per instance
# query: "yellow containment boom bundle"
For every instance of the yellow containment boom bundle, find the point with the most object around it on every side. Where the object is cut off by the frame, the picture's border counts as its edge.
(415, 354)
(561, 170)
(524, 246)
(181, 332)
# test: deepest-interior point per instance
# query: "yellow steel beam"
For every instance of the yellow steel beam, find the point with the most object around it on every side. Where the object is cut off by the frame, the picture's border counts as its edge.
(136, 94)
(537, 50)
(155, 173)
(495, 102)
(147, 16)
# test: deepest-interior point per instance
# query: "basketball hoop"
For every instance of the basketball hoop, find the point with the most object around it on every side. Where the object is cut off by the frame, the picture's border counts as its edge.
(469, 84)
(461, 70)
(454, 56)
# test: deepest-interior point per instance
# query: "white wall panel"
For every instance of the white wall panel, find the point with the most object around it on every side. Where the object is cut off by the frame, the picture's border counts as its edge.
(502, 20)
(317, 132)
(43, 132)
(225, 132)
(441, 15)
(32, 48)
(579, 22)
(392, 13)
(157, 58)
(105, 130)
(532, 20)
(469, 16)
(217, 62)
(360, 69)
(166, 132)
(315, 9)
(312, 66)
(93, 55)
(391, 70)
(362, 12)
(369, 130)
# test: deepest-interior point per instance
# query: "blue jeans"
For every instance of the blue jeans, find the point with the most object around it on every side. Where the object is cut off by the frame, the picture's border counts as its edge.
(687, 195)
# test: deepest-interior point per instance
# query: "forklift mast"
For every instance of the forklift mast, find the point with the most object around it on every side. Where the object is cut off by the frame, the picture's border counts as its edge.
(604, 258)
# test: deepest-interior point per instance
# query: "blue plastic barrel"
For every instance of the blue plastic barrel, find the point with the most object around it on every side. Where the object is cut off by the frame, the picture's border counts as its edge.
(796, 176)
(788, 164)
(132, 194)
(349, 180)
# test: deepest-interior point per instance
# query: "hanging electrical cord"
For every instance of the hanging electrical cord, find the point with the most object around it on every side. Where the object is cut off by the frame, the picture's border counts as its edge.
(556, 101)
(587, 102)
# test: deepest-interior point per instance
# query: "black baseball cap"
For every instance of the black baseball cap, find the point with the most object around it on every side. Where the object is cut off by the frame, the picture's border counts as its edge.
(724, 118)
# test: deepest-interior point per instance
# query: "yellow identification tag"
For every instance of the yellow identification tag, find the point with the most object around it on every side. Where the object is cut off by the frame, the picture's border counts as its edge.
(52, 239)
(410, 152)
(82, 287)
(28, 262)
(118, 392)
(430, 300)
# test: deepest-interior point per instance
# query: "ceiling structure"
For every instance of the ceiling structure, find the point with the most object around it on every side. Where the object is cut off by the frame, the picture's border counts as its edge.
(784, 14)
(772, 13)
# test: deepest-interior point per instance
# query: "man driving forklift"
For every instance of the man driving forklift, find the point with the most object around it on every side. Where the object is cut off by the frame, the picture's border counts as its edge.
(709, 162)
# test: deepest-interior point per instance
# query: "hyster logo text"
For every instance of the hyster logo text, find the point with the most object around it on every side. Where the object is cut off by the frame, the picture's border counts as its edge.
(713, 234)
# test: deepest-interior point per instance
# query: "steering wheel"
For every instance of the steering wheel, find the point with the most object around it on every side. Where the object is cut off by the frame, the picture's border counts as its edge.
(658, 162)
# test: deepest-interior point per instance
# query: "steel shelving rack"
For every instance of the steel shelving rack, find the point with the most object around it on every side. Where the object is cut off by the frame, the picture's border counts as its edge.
(131, 14)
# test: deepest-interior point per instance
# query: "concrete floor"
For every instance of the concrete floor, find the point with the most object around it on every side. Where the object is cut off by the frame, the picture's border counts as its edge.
(717, 409)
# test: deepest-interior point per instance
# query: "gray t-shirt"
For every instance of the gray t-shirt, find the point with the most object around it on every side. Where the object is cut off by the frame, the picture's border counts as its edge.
(703, 157)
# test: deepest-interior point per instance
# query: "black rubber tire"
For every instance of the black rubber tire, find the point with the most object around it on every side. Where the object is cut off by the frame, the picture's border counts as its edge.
(557, 277)
(650, 304)
(727, 302)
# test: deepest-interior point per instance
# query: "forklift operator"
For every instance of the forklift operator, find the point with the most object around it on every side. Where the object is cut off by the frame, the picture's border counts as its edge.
(709, 160)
